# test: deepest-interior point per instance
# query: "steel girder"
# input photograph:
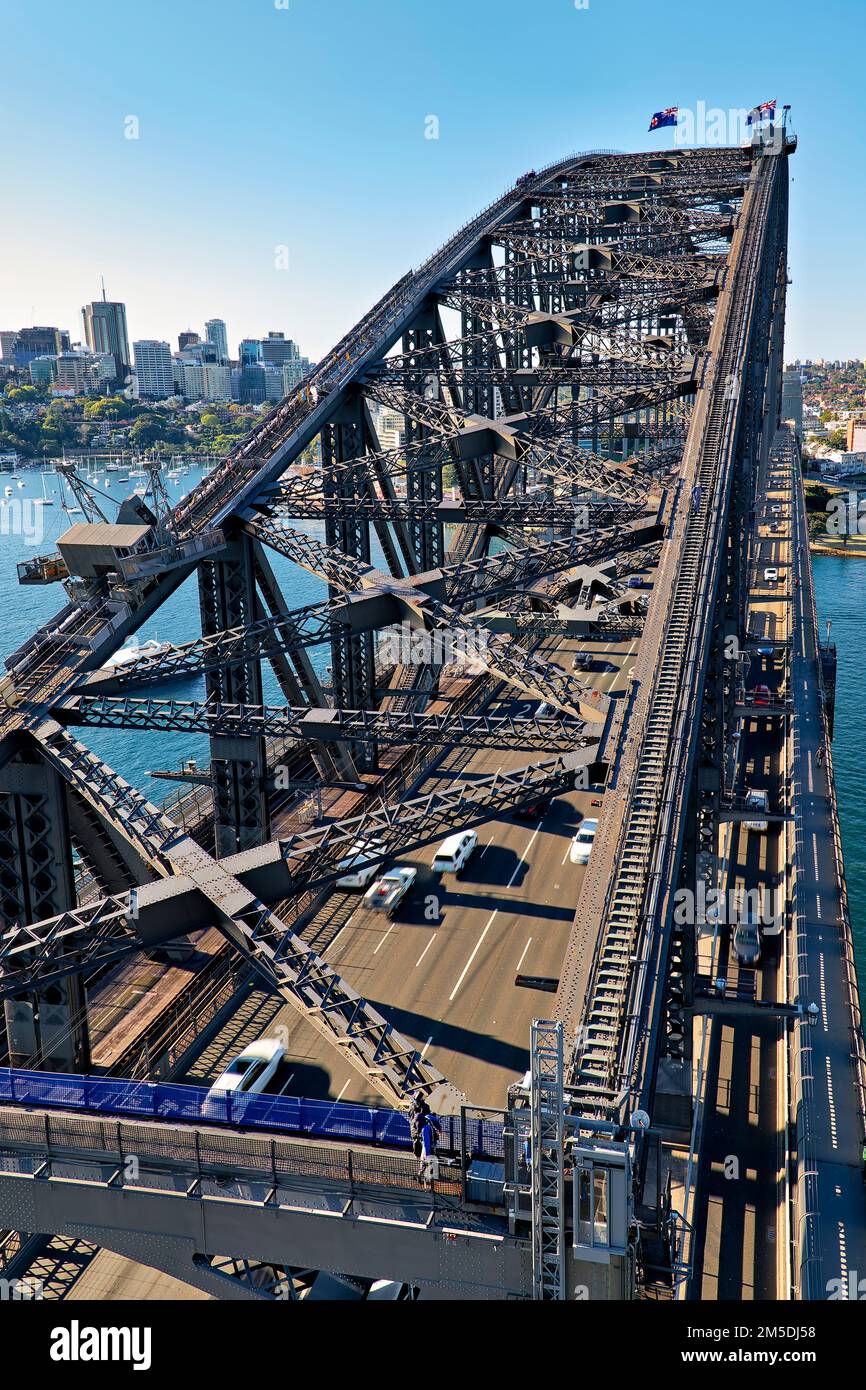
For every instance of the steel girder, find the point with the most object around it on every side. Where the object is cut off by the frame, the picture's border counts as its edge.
(393, 601)
(363, 726)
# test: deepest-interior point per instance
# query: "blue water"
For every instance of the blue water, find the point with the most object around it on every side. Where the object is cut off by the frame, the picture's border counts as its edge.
(26, 607)
(840, 590)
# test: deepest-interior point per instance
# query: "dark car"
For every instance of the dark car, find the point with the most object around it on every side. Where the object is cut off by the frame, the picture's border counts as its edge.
(533, 809)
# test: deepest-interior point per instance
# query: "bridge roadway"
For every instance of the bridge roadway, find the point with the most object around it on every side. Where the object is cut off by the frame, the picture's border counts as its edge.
(740, 1212)
(448, 985)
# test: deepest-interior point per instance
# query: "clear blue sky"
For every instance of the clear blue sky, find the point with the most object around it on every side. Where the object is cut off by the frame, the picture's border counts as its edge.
(304, 126)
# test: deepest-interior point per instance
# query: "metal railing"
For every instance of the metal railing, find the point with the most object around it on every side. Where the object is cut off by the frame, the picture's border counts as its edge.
(199, 1106)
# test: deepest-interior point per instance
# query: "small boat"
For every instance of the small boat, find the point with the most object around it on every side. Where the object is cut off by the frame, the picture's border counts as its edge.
(7, 492)
(132, 650)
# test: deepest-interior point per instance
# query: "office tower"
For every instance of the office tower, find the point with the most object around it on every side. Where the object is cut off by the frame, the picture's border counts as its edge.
(43, 370)
(278, 349)
(250, 353)
(187, 339)
(105, 331)
(29, 343)
(215, 332)
(154, 369)
(792, 398)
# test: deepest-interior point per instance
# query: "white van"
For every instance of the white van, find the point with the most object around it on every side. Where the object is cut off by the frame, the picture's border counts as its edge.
(454, 852)
(357, 868)
(756, 800)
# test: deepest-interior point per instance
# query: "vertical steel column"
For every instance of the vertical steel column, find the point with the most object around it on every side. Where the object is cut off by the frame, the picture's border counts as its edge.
(423, 484)
(353, 665)
(227, 599)
(547, 1100)
(46, 1028)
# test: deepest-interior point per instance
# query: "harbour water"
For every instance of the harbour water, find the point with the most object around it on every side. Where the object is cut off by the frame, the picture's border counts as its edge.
(28, 529)
(840, 594)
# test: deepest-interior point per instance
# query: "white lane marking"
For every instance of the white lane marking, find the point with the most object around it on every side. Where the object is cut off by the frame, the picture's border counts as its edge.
(493, 916)
(490, 921)
(834, 1138)
(487, 846)
(426, 1045)
(525, 852)
(378, 948)
(332, 944)
(344, 1090)
(426, 949)
(523, 957)
(565, 856)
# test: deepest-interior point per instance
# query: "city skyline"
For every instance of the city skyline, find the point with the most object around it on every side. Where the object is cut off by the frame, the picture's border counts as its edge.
(233, 209)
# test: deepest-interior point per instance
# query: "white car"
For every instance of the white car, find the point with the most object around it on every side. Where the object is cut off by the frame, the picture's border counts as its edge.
(757, 800)
(771, 574)
(359, 855)
(388, 892)
(746, 942)
(453, 853)
(581, 845)
(248, 1074)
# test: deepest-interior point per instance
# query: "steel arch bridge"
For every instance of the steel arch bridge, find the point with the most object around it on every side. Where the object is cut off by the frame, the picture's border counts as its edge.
(572, 374)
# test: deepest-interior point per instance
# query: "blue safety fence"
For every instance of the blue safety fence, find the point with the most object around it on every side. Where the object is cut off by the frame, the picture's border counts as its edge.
(322, 1119)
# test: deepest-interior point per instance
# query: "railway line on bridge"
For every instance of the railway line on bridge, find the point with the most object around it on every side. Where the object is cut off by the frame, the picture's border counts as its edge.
(593, 364)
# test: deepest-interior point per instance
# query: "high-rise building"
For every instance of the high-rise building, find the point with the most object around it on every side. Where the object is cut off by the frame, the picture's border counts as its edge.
(154, 369)
(250, 353)
(105, 331)
(792, 398)
(37, 342)
(215, 332)
(251, 384)
(278, 349)
(203, 381)
(73, 370)
(43, 370)
(187, 339)
(294, 372)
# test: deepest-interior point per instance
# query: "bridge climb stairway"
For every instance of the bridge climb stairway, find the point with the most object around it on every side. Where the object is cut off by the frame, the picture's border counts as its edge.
(600, 1071)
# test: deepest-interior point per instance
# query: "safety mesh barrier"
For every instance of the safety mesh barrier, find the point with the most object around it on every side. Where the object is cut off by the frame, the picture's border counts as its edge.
(196, 1105)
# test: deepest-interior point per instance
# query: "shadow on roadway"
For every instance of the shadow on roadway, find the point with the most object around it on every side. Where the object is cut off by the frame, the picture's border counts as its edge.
(464, 1040)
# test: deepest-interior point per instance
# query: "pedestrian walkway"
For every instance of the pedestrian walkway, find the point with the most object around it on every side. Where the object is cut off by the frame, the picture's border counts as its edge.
(836, 1121)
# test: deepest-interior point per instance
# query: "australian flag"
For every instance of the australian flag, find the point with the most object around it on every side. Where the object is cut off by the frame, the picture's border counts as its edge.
(765, 112)
(661, 118)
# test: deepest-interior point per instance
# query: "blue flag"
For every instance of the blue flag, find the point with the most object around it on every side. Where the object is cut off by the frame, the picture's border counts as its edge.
(661, 118)
(765, 112)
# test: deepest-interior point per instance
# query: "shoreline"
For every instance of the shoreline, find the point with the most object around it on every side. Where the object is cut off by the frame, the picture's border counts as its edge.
(846, 551)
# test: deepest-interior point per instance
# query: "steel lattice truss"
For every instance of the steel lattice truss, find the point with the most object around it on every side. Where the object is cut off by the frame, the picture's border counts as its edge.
(539, 374)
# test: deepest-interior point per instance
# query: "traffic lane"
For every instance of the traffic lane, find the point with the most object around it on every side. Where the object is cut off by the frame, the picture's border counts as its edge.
(742, 1137)
(457, 1002)
(447, 980)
